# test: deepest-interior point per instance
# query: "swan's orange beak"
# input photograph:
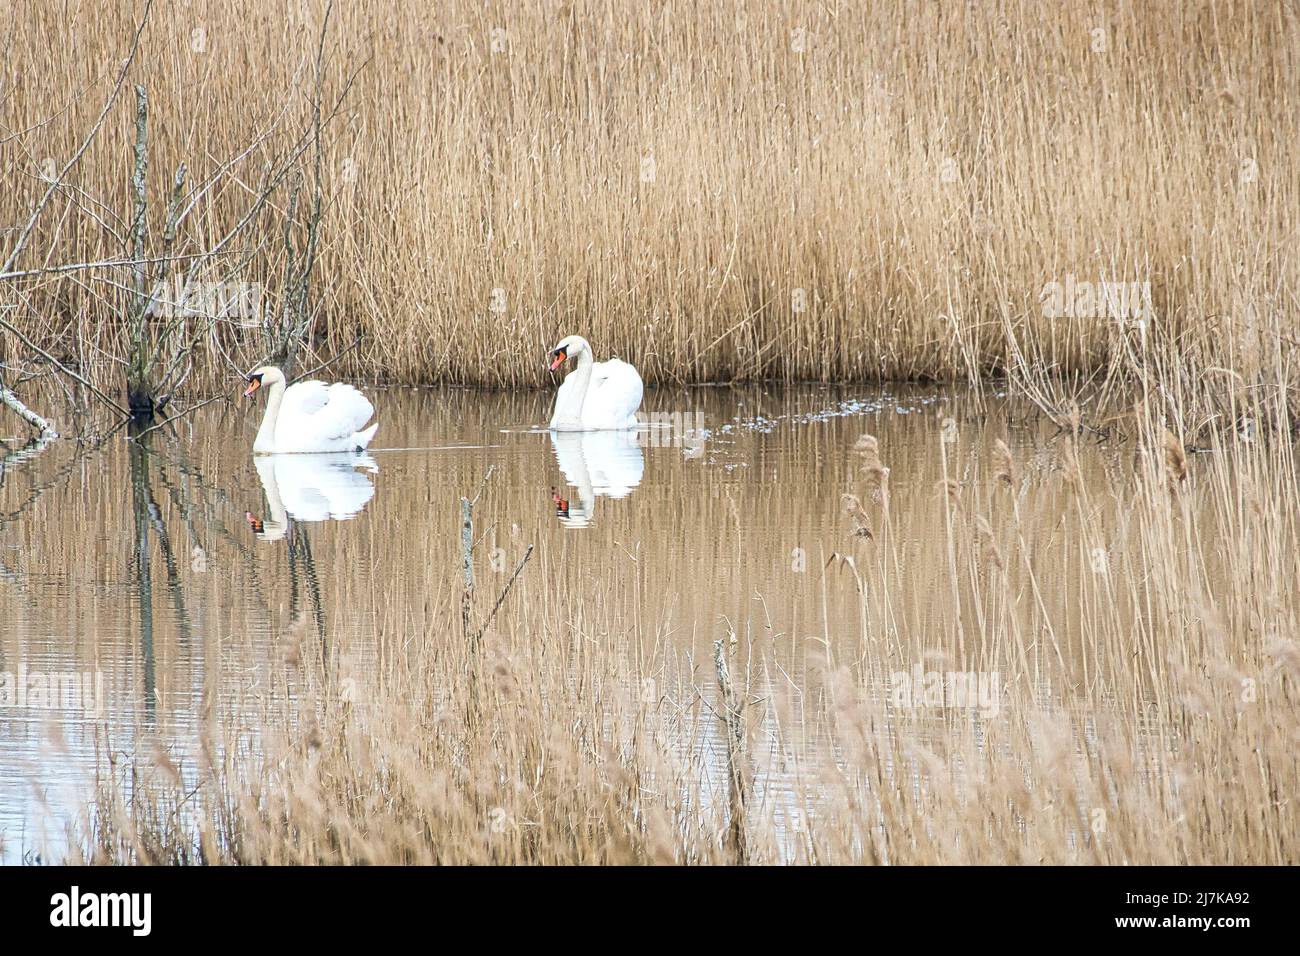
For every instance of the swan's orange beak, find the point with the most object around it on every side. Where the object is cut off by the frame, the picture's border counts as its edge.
(253, 385)
(560, 356)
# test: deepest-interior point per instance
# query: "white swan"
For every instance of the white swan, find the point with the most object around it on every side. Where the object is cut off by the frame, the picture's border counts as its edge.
(607, 464)
(595, 395)
(310, 416)
(311, 488)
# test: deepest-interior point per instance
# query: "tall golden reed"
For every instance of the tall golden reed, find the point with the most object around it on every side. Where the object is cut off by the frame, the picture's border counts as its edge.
(718, 191)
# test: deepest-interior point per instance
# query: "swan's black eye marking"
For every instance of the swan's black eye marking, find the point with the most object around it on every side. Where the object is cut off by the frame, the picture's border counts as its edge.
(255, 378)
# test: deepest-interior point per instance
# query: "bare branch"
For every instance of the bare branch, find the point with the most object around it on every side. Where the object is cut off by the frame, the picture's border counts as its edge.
(66, 371)
(81, 150)
(168, 421)
(8, 398)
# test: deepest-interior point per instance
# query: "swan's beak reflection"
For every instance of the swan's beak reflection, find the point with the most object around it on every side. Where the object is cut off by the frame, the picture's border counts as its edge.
(561, 504)
(253, 385)
(596, 465)
(254, 522)
(560, 356)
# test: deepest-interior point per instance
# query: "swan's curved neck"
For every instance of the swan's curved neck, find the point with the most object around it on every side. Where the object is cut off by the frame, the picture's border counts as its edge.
(266, 434)
(571, 413)
(277, 524)
(572, 459)
(586, 494)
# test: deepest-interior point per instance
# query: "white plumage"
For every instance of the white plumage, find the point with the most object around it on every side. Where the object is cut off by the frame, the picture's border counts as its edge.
(595, 396)
(605, 464)
(311, 416)
(312, 488)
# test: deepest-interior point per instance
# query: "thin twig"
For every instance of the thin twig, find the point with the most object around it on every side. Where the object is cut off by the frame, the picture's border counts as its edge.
(101, 264)
(66, 371)
(482, 485)
(168, 421)
(81, 150)
(509, 584)
(325, 365)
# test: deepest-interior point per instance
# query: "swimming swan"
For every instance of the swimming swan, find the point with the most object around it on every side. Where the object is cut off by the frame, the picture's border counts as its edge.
(310, 416)
(595, 395)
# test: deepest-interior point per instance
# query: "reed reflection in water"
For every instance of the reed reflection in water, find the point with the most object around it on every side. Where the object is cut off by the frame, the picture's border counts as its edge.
(187, 573)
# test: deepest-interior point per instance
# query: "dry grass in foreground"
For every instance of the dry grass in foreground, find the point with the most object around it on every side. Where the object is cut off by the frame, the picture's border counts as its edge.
(727, 191)
(1146, 706)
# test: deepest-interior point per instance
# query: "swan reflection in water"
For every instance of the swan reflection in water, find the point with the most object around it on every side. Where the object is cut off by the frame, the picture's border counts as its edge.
(606, 464)
(311, 488)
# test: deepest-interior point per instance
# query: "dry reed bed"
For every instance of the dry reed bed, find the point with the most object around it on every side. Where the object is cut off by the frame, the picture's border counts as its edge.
(843, 191)
(1148, 711)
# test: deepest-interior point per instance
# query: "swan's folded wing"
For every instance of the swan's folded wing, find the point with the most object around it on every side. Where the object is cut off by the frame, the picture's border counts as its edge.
(603, 371)
(304, 398)
(614, 394)
(323, 413)
(353, 408)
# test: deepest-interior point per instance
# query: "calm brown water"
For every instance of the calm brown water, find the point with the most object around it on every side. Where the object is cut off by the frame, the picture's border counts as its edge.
(135, 565)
